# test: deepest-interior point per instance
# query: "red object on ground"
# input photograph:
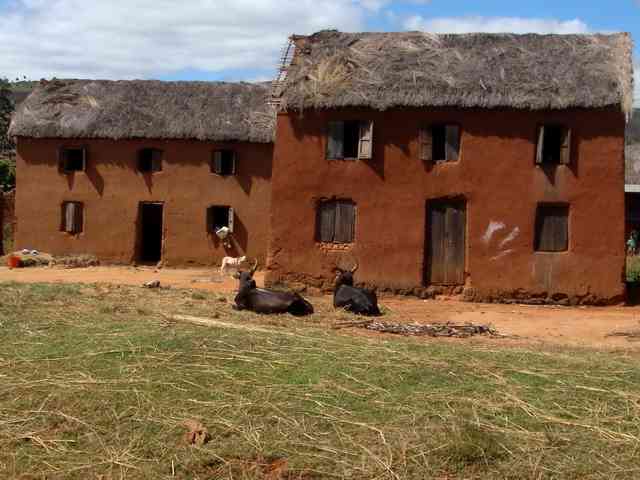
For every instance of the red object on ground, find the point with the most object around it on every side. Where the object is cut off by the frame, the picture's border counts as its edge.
(14, 262)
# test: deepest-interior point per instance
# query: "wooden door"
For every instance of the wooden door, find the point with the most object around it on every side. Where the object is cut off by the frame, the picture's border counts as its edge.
(446, 221)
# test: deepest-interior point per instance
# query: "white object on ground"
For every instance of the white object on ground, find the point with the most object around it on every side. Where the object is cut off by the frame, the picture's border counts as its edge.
(231, 262)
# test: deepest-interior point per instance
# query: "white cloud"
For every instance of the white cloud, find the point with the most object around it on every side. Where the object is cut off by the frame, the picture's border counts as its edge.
(143, 38)
(494, 25)
(377, 5)
(374, 5)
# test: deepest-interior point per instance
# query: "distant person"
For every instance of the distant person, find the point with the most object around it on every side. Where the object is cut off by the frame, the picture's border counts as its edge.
(632, 243)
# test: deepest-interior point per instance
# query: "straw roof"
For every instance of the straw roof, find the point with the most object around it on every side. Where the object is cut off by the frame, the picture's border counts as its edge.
(416, 69)
(18, 97)
(214, 111)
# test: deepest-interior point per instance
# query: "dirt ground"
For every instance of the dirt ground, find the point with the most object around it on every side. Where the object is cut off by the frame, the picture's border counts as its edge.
(571, 326)
(195, 278)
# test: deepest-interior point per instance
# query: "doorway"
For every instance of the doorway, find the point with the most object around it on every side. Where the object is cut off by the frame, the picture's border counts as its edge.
(446, 226)
(150, 232)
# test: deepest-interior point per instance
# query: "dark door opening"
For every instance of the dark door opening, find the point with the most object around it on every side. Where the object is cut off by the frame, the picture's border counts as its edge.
(150, 231)
(446, 221)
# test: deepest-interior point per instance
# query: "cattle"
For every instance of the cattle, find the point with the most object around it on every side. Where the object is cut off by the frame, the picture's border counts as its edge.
(261, 300)
(356, 300)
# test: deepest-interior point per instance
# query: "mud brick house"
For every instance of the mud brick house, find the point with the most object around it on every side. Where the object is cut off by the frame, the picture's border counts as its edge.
(144, 171)
(632, 187)
(486, 164)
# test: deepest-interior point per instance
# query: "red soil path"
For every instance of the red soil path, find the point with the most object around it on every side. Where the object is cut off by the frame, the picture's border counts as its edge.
(568, 326)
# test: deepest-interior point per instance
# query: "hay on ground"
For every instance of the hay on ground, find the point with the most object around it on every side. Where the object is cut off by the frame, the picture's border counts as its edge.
(34, 258)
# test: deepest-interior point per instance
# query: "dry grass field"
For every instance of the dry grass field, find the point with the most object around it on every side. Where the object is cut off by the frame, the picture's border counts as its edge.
(96, 382)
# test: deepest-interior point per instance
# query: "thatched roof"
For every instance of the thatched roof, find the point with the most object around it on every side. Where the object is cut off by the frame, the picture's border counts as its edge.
(18, 97)
(415, 69)
(632, 164)
(214, 111)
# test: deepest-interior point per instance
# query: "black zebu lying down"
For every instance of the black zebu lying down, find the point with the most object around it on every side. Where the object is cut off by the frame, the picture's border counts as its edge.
(356, 300)
(261, 300)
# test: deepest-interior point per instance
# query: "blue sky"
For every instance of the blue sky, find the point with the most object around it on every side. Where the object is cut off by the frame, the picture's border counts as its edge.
(240, 39)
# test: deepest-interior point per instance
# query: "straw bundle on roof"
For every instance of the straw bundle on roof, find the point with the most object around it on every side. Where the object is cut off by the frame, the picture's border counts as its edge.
(415, 69)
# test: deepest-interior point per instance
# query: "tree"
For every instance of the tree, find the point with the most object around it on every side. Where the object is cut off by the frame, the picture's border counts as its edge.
(7, 174)
(6, 109)
(7, 162)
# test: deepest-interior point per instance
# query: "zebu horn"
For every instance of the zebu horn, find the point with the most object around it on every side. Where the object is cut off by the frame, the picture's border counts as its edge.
(353, 270)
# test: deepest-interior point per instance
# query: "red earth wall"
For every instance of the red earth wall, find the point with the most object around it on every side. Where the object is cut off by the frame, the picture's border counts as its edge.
(496, 175)
(112, 188)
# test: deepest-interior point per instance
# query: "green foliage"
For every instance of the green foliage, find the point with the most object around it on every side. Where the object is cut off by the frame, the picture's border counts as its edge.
(23, 84)
(633, 269)
(7, 164)
(7, 174)
(6, 109)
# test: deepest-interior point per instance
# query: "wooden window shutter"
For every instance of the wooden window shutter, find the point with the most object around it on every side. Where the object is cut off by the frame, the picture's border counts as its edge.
(217, 162)
(77, 217)
(62, 159)
(557, 222)
(335, 140)
(73, 217)
(69, 217)
(156, 160)
(552, 228)
(543, 233)
(231, 219)
(426, 144)
(540, 146)
(234, 159)
(453, 142)
(326, 221)
(345, 222)
(365, 142)
(565, 148)
(84, 159)
(209, 220)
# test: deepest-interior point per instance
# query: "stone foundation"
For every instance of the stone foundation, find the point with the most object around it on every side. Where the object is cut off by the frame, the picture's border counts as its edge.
(322, 285)
(471, 294)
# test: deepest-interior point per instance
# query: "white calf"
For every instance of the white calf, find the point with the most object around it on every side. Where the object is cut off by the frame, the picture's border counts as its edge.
(231, 262)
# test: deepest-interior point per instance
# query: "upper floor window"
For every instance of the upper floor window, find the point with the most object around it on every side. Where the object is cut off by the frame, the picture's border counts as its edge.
(440, 143)
(336, 221)
(350, 140)
(223, 162)
(552, 228)
(554, 145)
(150, 160)
(72, 217)
(72, 159)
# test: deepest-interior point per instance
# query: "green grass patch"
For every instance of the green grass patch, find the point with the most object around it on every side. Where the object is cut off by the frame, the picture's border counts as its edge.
(23, 86)
(633, 269)
(95, 383)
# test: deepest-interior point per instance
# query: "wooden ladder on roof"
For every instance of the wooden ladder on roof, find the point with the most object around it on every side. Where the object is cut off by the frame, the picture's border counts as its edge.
(286, 56)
